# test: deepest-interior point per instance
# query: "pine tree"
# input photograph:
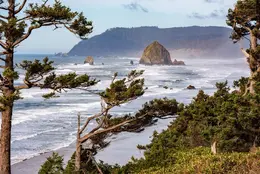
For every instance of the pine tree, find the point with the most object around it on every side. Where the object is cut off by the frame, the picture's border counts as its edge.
(17, 22)
(118, 93)
(245, 21)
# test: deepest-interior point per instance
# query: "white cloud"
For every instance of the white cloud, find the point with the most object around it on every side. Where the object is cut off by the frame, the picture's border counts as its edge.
(161, 6)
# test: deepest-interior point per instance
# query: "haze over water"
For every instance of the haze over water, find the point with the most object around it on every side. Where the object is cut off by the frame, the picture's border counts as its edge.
(44, 125)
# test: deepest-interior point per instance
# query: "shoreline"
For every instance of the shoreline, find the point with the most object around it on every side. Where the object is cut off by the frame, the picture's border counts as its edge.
(120, 151)
(32, 165)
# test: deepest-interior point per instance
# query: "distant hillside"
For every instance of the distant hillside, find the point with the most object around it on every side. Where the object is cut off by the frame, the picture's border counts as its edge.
(191, 41)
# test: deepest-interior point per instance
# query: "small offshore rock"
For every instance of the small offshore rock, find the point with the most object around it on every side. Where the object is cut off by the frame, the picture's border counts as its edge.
(176, 62)
(191, 87)
(89, 60)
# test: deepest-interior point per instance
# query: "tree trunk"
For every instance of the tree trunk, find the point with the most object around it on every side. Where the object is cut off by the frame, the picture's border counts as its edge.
(5, 148)
(253, 40)
(253, 64)
(78, 156)
(5, 151)
(78, 148)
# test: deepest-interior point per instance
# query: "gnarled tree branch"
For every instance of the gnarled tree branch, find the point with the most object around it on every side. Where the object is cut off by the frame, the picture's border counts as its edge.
(3, 59)
(3, 17)
(86, 137)
(245, 53)
(26, 35)
(21, 7)
(3, 45)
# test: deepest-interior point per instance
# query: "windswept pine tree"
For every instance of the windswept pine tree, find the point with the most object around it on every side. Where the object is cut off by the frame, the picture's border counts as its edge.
(119, 92)
(89, 141)
(18, 20)
(245, 21)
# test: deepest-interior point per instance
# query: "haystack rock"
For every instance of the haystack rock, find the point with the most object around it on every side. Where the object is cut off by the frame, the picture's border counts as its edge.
(156, 54)
(89, 60)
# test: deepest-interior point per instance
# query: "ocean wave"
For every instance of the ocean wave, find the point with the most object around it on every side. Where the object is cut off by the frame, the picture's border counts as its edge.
(33, 135)
(160, 91)
(57, 110)
(52, 147)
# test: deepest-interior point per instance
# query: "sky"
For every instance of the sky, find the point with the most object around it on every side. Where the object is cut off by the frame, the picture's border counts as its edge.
(107, 14)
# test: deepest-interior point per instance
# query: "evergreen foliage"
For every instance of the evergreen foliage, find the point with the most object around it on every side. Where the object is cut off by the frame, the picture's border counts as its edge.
(245, 22)
(53, 165)
(18, 20)
(228, 118)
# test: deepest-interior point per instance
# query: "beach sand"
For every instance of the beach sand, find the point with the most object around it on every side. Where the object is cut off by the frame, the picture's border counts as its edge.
(120, 151)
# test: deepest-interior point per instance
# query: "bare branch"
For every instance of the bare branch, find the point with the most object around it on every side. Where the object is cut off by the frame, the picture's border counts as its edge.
(86, 137)
(4, 8)
(45, 2)
(3, 59)
(245, 53)
(96, 164)
(21, 7)
(21, 87)
(27, 85)
(3, 45)
(3, 17)
(35, 27)
(89, 119)
(99, 125)
(24, 18)
(1, 66)
(26, 35)
(255, 130)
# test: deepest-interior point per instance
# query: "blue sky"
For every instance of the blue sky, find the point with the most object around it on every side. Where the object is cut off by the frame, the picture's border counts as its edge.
(107, 14)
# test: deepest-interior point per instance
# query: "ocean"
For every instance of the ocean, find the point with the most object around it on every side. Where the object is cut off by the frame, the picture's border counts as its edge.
(41, 125)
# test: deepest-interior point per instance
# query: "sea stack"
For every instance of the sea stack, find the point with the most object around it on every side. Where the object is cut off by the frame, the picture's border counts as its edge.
(156, 54)
(89, 60)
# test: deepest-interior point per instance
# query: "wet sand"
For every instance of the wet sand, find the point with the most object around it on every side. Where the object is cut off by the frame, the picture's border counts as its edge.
(120, 151)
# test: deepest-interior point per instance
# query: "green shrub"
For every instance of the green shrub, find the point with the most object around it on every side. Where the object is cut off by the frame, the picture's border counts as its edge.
(201, 160)
(228, 118)
(53, 165)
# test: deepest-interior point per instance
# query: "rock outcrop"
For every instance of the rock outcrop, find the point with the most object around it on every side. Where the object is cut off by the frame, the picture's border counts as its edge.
(155, 54)
(191, 87)
(89, 60)
(176, 62)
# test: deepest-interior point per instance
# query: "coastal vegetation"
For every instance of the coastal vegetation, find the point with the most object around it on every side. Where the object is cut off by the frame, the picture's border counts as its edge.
(17, 22)
(213, 134)
(119, 92)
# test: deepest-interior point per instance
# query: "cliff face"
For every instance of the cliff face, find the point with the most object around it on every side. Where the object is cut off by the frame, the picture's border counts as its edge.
(155, 54)
(184, 41)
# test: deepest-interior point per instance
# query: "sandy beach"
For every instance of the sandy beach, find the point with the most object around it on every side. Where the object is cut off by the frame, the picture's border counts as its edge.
(121, 149)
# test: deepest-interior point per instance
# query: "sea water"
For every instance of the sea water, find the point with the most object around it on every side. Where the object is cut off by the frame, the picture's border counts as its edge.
(41, 125)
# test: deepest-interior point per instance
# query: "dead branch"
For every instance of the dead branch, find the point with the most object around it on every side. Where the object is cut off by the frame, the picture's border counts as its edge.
(4, 8)
(3, 59)
(89, 135)
(3, 17)
(96, 164)
(245, 53)
(26, 35)
(89, 119)
(21, 7)
(24, 18)
(3, 45)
